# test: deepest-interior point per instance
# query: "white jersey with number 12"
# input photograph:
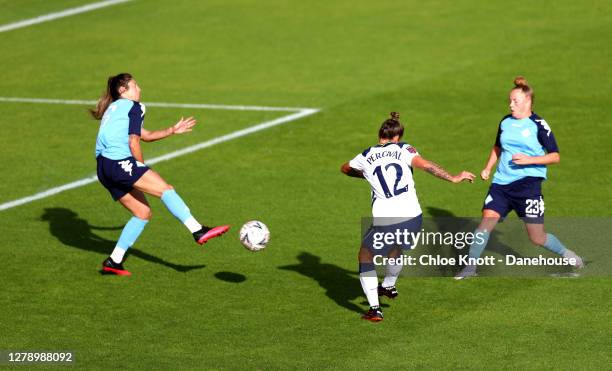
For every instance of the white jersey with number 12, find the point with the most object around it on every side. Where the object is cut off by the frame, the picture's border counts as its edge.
(388, 169)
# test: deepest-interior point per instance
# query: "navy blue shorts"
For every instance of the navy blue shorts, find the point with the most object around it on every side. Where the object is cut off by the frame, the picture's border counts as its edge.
(381, 239)
(119, 176)
(524, 196)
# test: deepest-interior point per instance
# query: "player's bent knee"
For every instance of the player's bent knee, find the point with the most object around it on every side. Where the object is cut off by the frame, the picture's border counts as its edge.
(491, 214)
(144, 214)
(364, 254)
(540, 241)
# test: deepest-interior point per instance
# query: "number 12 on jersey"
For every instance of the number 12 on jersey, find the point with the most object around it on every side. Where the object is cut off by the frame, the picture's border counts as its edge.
(378, 171)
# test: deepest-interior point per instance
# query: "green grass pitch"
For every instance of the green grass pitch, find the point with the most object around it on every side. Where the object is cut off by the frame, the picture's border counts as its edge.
(446, 66)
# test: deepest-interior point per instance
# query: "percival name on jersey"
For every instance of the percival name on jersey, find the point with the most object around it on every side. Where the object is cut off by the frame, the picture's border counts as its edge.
(388, 169)
(376, 156)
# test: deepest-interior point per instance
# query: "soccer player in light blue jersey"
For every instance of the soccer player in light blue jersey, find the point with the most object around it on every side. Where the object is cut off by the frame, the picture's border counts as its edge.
(524, 146)
(122, 170)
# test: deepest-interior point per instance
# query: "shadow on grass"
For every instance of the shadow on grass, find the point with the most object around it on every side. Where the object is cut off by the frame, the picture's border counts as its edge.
(230, 277)
(76, 232)
(340, 284)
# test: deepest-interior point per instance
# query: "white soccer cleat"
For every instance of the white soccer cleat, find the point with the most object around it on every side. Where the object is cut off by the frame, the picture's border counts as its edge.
(569, 254)
(467, 272)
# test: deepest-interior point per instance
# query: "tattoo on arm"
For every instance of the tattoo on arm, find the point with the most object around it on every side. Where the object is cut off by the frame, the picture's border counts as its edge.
(437, 171)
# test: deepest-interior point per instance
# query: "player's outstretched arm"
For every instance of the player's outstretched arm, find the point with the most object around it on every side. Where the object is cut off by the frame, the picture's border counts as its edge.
(437, 171)
(348, 170)
(182, 126)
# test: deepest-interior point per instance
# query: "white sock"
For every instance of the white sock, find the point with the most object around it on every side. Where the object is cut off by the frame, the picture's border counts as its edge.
(117, 255)
(369, 283)
(192, 224)
(392, 272)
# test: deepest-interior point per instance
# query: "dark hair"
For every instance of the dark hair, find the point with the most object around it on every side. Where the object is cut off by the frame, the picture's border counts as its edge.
(391, 128)
(111, 94)
(521, 84)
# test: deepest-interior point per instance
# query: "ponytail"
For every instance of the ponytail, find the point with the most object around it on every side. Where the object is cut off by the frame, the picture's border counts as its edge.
(111, 94)
(391, 128)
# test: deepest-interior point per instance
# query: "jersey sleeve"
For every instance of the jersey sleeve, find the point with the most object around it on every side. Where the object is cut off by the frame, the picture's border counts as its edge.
(499, 131)
(411, 153)
(546, 136)
(498, 136)
(358, 162)
(136, 117)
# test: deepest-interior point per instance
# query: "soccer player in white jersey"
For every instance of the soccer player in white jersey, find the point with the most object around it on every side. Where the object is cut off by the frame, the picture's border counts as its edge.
(525, 145)
(388, 166)
(122, 170)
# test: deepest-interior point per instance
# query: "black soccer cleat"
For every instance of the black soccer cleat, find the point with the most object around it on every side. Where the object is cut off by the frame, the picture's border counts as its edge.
(374, 314)
(109, 266)
(390, 292)
(207, 233)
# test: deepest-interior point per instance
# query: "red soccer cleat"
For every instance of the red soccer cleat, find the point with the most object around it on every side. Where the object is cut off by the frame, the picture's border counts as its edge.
(374, 314)
(206, 233)
(109, 266)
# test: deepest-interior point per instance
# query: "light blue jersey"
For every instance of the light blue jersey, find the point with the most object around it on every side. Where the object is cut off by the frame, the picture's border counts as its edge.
(121, 119)
(531, 136)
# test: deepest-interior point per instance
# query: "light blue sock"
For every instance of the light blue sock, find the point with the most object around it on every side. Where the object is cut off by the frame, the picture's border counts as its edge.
(554, 245)
(479, 244)
(130, 232)
(175, 205)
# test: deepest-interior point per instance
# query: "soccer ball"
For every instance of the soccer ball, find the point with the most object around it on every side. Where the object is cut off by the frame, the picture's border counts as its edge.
(254, 235)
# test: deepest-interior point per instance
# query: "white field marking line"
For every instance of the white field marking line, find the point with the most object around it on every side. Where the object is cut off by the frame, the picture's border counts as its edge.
(301, 112)
(61, 14)
(156, 104)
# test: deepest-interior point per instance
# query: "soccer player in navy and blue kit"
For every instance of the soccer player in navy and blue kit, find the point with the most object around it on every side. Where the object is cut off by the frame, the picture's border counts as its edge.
(524, 146)
(121, 168)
